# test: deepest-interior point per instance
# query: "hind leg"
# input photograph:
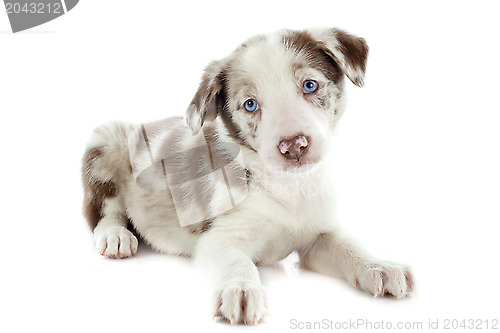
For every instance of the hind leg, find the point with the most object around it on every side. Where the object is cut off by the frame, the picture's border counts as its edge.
(113, 239)
(104, 163)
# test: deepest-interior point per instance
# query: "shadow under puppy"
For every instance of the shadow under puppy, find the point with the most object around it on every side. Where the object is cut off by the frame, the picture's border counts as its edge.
(243, 179)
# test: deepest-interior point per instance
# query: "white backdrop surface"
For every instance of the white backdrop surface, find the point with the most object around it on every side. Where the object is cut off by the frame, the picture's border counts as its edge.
(418, 161)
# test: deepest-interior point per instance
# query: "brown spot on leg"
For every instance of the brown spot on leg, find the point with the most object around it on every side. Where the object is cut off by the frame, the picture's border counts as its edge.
(95, 191)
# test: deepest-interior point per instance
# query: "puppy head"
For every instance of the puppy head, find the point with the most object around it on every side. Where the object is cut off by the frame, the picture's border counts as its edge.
(280, 94)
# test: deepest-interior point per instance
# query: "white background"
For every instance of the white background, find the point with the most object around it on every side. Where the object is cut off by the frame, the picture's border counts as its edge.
(418, 160)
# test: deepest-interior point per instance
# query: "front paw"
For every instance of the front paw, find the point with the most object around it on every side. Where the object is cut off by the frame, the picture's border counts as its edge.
(385, 278)
(115, 241)
(240, 302)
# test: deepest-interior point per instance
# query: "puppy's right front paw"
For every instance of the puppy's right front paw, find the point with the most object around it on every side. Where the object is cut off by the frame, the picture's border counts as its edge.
(115, 242)
(240, 302)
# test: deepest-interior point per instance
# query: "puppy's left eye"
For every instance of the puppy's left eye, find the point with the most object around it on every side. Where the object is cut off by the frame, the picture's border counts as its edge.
(309, 86)
(251, 105)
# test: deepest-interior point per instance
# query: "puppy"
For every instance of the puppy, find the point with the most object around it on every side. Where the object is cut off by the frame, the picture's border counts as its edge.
(242, 181)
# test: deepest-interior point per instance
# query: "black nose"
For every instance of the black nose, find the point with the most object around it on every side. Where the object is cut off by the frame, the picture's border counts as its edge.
(294, 148)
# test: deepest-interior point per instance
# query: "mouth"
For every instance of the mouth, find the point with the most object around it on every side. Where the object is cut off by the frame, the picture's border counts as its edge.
(278, 164)
(295, 166)
(299, 164)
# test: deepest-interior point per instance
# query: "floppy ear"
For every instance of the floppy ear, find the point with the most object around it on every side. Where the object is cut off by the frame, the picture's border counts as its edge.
(349, 51)
(208, 100)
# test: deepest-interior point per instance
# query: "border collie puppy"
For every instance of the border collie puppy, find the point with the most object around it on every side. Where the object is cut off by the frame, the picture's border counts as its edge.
(243, 179)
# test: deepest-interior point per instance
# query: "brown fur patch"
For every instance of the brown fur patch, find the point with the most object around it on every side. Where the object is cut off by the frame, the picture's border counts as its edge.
(201, 227)
(234, 131)
(302, 42)
(95, 191)
(207, 101)
(354, 49)
(211, 100)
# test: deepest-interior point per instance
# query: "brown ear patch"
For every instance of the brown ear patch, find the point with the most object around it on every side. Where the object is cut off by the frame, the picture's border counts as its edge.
(304, 43)
(354, 49)
(95, 191)
(207, 101)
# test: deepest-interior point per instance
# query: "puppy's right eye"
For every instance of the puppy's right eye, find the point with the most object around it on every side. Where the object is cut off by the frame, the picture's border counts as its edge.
(251, 105)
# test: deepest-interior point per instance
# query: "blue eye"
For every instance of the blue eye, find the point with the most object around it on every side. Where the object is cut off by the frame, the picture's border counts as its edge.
(309, 86)
(251, 105)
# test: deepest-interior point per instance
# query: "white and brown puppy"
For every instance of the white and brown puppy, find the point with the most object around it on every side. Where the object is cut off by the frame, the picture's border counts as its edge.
(245, 181)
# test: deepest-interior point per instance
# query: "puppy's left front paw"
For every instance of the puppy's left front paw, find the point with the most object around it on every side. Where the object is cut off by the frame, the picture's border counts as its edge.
(385, 278)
